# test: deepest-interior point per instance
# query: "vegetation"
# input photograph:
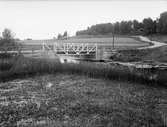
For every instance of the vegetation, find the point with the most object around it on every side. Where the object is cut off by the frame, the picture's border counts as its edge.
(64, 36)
(22, 67)
(158, 37)
(132, 55)
(7, 41)
(64, 100)
(146, 27)
(6, 64)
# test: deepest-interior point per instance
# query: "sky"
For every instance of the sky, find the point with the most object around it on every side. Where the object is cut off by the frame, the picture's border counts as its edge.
(40, 19)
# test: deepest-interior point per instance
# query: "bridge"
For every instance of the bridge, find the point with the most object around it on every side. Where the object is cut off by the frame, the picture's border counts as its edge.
(71, 48)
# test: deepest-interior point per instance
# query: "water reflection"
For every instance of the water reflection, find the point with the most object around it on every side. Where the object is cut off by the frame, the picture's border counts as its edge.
(68, 59)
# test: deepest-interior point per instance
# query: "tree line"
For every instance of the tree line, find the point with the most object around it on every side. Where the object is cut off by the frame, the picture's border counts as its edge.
(146, 27)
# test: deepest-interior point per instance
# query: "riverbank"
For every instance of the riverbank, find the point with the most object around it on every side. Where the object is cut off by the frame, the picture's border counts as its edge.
(25, 67)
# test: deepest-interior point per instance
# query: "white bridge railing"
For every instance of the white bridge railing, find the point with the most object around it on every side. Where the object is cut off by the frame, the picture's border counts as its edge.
(71, 48)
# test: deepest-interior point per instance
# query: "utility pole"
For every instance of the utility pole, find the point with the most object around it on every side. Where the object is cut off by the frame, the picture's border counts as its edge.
(113, 37)
(151, 34)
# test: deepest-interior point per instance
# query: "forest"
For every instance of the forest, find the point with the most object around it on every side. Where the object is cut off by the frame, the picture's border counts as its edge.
(132, 27)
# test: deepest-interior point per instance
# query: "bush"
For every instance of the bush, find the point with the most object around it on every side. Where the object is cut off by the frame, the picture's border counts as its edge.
(30, 66)
(5, 65)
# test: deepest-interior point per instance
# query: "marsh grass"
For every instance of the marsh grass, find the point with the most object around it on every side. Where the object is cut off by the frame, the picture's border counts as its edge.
(22, 67)
(7, 62)
(79, 101)
(5, 65)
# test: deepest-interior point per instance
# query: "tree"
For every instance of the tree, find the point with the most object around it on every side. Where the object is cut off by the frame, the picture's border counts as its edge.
(129, 27)
(7, 42)
(116, 28)
(7, 34)
(65, 34)
(54, 38)
(59, 36)
(136, 26)
(125, 27)
(148, 25)
(154, 30)
(162, 23)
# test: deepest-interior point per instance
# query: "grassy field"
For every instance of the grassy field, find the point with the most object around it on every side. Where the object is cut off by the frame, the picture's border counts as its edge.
(64, 100)
(120, 42)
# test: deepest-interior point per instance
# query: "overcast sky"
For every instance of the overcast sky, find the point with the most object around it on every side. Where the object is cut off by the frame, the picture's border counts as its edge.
(45, 19)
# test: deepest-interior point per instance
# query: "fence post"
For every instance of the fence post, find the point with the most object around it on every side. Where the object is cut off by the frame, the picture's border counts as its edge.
(87, 48)
(55, 47)
(96, 51)
(43, 46)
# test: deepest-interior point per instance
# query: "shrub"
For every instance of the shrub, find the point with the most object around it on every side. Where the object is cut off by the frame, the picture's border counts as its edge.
(30, 66)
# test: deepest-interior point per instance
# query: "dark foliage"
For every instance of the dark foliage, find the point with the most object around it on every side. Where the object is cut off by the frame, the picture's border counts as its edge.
(7, 41)
(146, 27)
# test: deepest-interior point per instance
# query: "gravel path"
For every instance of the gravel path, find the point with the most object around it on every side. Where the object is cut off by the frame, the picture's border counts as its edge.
(155, 43)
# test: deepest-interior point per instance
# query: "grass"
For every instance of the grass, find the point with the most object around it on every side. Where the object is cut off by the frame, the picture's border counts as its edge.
(79, 101)
(30, 66)
(46, 93)
(120, 42)
(5, 64)
(158, 37)
(7, 61)
(157, 54)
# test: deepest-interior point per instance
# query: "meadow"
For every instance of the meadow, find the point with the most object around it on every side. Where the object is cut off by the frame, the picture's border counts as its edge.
(65, 100)
(46, 93)
(124, 42)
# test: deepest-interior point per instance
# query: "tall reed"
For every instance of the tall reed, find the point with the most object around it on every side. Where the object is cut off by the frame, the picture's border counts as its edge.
(31, 66)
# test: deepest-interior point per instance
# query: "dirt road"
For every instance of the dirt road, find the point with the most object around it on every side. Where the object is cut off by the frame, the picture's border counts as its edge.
(155, 43)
